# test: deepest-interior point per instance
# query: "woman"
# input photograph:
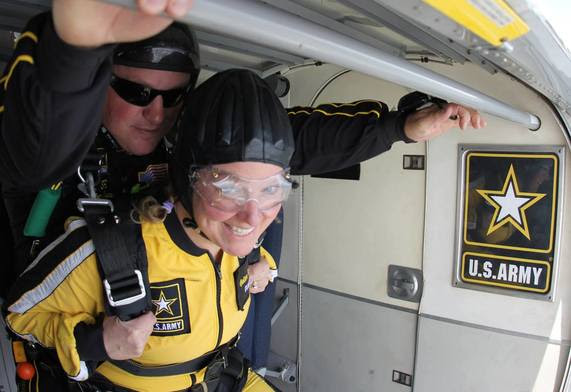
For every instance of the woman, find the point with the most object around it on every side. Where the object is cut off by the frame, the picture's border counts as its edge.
(229, 182)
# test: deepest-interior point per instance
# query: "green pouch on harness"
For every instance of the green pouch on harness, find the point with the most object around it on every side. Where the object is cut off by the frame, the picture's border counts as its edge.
(41, 211)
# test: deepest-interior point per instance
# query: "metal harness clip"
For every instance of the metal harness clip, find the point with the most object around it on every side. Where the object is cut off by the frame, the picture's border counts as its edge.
(127, 290)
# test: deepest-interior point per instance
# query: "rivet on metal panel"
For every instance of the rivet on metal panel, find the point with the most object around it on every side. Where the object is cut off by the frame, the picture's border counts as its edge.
(505, 46)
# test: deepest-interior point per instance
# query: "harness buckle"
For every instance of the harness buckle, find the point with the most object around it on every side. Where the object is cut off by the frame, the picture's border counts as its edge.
(88, 187)
(126, 290)
(89, 202)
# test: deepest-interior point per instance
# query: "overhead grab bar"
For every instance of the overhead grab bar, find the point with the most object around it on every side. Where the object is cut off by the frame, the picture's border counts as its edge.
(260, 23)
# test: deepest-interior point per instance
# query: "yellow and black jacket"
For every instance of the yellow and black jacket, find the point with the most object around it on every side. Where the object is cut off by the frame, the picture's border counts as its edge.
(194, 301)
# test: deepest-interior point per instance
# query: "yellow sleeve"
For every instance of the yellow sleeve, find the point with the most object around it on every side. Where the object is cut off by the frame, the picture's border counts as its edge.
(266, 255)
(49, 312)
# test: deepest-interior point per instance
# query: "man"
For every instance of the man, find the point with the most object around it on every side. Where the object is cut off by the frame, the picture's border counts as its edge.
(58, 84)
(51, 118)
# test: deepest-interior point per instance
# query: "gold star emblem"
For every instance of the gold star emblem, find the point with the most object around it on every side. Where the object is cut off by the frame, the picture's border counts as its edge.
(510, 204)
(163, 304)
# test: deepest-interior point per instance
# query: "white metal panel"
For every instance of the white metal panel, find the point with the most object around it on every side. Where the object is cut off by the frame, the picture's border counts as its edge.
(354, 229)
(305, 81)
(290, 246)
(348, 250)
(349, 345)
(494, 363)
(454, 357)
(440, 298)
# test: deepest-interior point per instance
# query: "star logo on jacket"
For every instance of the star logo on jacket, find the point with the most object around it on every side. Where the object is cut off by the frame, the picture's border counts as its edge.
(164, 304)
(170, 308)
(510, 204)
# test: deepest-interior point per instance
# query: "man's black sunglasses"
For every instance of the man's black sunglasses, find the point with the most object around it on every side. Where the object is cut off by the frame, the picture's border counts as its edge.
(140, 95)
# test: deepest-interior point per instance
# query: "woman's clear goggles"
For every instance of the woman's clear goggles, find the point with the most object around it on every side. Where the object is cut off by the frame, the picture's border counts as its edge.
(229, 192)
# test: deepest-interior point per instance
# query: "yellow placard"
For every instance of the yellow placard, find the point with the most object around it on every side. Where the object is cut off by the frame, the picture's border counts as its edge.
(492, 20)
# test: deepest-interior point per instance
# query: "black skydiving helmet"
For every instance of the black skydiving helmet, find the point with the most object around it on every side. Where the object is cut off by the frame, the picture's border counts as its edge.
(232, 117)
(173, 49)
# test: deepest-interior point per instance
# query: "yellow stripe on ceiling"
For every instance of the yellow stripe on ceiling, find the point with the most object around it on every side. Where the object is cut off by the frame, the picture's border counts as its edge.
(492, 20)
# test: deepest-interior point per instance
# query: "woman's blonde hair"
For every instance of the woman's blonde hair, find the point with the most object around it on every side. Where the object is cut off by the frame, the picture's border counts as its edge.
(149, 209)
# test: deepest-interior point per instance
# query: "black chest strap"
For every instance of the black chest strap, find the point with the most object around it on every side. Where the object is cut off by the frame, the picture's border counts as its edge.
(122, 259)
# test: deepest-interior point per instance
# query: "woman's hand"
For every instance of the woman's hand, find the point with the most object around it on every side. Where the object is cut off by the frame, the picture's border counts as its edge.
(260, 276)
(127, 339)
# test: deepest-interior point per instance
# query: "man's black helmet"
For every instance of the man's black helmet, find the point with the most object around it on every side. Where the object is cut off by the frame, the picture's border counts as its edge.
(173, 49)
(232, 117)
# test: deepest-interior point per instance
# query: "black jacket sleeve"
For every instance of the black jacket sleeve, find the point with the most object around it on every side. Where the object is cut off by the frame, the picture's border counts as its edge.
(51, 99)
(335, 136)
(89, 338)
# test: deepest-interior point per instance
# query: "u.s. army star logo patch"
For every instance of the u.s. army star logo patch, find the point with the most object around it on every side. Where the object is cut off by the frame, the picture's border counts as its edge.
(164, 304)
(170, 308)
(510, 204)
(508, 213)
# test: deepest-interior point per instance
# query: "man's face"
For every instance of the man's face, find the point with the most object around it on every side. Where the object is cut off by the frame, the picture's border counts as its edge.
(138, 129)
